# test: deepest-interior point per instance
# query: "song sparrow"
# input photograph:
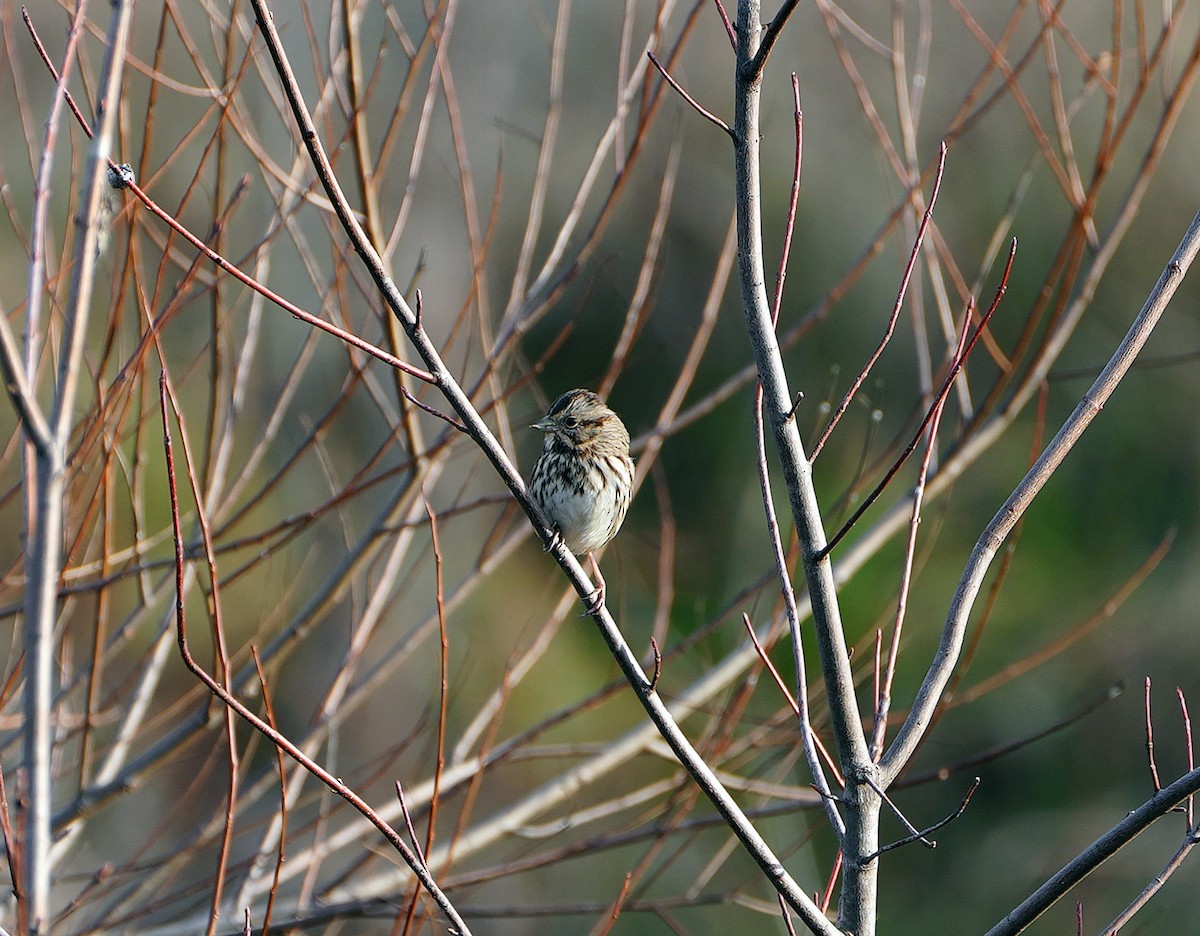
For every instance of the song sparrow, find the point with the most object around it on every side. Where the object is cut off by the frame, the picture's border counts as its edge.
(584, 478)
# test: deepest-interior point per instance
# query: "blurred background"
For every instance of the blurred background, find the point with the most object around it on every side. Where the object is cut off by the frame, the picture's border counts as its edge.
(566, 217)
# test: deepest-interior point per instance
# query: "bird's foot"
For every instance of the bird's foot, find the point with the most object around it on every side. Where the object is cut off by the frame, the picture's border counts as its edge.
(594, 602)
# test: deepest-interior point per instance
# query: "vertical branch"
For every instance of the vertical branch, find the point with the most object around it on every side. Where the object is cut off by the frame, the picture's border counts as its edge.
(807, 736)
(778, 401)
(45, 509)
(861, 804)
(443, 678)
(281, 852)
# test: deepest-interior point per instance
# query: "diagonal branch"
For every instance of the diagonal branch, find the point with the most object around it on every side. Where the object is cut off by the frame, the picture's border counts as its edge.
(752, 70)
(913, 729)
(707, 115)
(414, 862)
(479, 431)
(1097, 853)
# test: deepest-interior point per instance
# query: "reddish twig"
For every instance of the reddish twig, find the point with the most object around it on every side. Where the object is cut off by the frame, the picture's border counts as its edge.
(1150, 741)
(766, 661)
(687, 97)
(729, 30)
(787, 917)
(12, 848)
(279, 740)
(443, 676)
(883, 697)
(604, 927)
(891, 325)
(281, 850)
(790, 225)
(795, 707)
(951, 375)
(220, 651)
(834, 874)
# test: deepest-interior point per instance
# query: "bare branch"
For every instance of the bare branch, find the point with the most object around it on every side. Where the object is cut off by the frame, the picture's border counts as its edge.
(1088, 860)
(1018, 502)
(707, 115)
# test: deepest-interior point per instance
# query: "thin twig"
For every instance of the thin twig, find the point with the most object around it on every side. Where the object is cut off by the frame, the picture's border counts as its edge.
(279, 740)
(220, 650)
(913, 836)
(13, 852)
(922, 835)
(408, 824)
(707, 115)
(443, 675)
(800, 701)
(994, 535)
(1188, 740)
(1150, 740)
(19, 389)
(281, 849)
(834, 873)
(605, 925)
(783, 909)
(766, 661)
(947, 384)
(914, 254)
(1153, 887)
(729, 30)
(883, 695)
(790, 225)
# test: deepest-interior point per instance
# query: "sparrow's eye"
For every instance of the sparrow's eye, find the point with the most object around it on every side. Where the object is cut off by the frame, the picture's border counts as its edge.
(571, 422)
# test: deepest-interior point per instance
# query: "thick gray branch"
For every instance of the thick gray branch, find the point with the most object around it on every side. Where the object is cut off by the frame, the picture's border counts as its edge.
(1097, 853)
(861, 802)
(913, 729)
